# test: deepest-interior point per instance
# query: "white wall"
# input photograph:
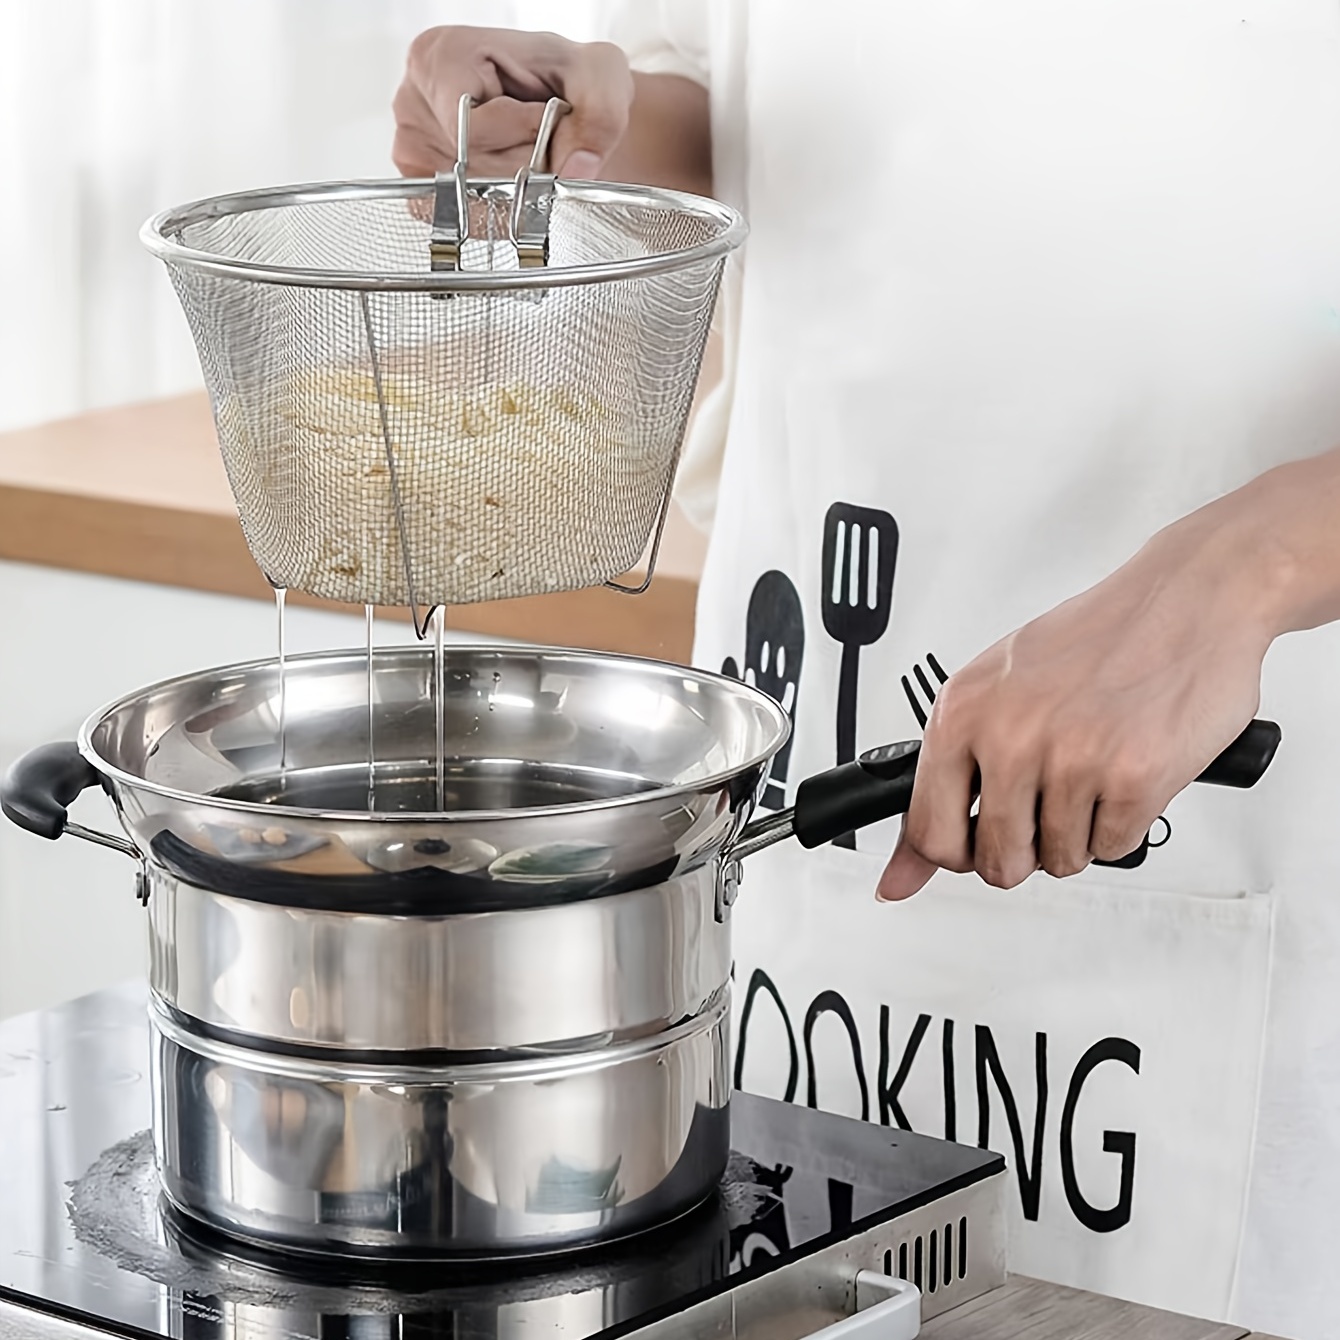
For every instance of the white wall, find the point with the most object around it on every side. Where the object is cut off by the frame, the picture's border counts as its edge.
(69, 643)
(111, 110)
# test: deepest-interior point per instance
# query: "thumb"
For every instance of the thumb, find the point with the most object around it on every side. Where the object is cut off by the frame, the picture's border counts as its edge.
(587, 136)
(582, 165)
(599, 88)
(907, 872)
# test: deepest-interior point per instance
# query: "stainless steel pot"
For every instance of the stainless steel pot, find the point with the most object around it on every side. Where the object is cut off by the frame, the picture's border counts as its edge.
(498, 1023)
(531, 1154)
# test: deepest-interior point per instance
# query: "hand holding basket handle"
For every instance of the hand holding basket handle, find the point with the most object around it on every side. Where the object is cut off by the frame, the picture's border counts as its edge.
(646, 128)
(510, 76)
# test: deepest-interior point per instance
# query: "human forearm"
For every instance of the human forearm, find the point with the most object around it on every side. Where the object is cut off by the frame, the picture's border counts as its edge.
(1279, 538)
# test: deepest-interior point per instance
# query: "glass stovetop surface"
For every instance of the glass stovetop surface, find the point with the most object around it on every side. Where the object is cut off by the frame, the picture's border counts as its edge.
(82, 1233)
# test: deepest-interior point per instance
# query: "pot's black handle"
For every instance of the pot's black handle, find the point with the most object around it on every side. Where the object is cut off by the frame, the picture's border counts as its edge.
(879, 786)
(853, 795)
(1245, 761)
(39, 787)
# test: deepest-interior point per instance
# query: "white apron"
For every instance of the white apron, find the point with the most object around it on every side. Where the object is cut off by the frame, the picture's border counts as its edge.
(1026, 282)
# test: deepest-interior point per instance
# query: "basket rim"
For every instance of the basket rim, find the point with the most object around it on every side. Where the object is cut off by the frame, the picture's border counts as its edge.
(156, 236)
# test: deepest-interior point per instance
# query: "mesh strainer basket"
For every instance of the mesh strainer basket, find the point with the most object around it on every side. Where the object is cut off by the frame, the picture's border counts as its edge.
(399, 435)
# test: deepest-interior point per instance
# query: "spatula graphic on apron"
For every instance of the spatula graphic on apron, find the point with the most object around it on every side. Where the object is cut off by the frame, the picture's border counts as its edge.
(860, 547)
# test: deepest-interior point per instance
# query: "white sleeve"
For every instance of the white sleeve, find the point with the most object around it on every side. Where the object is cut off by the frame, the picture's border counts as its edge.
(660, 36)
(672, 37)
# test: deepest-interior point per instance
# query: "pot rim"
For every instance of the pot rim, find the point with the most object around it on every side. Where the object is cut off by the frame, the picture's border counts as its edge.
(122, 778)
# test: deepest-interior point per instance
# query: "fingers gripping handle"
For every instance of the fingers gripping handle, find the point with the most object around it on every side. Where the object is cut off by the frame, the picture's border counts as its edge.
(1241, 765)
(879, 786)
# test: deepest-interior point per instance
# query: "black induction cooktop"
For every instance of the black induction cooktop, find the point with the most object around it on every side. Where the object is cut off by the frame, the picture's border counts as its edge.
(83, 1234)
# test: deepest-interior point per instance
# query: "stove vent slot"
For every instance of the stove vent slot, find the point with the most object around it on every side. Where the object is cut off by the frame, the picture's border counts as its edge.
(932, 1260)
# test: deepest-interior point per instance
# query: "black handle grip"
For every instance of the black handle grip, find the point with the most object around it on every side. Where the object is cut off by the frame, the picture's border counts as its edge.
(39, 787)
(879, 786)
(1245, 761)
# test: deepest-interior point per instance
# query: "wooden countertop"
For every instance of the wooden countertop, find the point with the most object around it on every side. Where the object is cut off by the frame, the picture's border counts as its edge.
(139, 492)
(1027, 1309)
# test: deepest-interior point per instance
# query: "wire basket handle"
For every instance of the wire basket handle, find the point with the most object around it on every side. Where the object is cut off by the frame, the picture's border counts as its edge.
(451, 200)
(532, 198)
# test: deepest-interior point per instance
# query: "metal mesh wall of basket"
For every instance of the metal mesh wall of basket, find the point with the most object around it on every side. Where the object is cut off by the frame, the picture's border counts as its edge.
(396, 435)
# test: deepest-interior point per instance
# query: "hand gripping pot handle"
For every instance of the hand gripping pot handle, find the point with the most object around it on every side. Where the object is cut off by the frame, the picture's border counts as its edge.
(879, 786)
(39, 788)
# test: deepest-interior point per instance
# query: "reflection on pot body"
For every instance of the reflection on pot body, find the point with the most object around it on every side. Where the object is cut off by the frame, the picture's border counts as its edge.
(527, 1154)
(536, 979)
(571, 1296)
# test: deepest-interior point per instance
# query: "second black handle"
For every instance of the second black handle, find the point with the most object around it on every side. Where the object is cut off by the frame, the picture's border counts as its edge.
(39, 787)
(879, 785)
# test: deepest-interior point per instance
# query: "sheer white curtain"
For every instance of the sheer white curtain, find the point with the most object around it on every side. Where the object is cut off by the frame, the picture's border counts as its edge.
(112, 109)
